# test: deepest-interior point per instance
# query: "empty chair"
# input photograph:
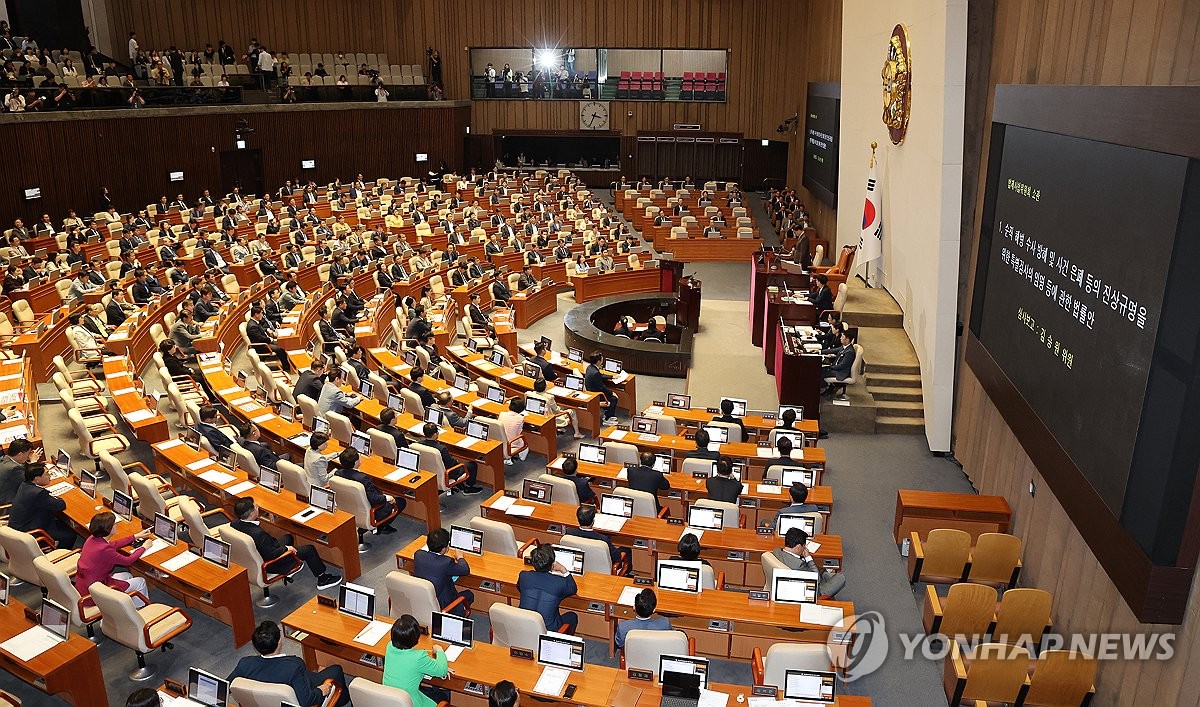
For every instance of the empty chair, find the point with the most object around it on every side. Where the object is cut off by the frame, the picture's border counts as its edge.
(564, 491)
(620, 453)
(339, 427)
(365, 693)
(294, 478)
(141, 630)
(691, 466)
(499, 537)
(92, 443)
(1023, 614)
(1061, 679)
(61, 590)
(513, 627)
(196, 521)
(118, 475)
(644, 649)
(992, 672)
(383, 445)
(782, 657)
(243, 553)
(23, 548)
(413, 595)
(151, 501)
(82, 382)
(941, 558)
(995, 560)
(966, 611)
(644, 503)
(666, 424)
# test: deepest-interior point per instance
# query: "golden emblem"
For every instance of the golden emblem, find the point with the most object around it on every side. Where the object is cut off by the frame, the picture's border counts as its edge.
(897, 85)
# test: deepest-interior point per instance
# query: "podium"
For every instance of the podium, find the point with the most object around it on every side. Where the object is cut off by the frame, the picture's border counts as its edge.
(687, 306)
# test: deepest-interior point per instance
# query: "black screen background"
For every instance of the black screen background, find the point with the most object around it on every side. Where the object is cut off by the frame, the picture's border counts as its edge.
(821, 162)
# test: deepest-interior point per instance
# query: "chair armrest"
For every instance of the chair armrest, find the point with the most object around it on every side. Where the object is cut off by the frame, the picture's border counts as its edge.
(43, 539)
(621, 657)
(138, 595)
(335, 693)
(461, 601)
(149, 624)
(691, 645)
(720, 580)
(756, 665)
(69, 555)
(217, 511)
(532, 543)
(916, 558)
(287, 553)
(741, 520)
(955, 675)
(664, 513)
(931, 614)
(1016, 574)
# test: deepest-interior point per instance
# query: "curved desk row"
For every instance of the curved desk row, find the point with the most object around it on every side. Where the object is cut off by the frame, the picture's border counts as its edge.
(754, 456)
(621, 282)
(588, 328)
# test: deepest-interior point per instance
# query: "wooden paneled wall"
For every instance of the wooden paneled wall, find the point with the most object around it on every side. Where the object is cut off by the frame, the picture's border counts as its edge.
(132, 154)
(1127, 42)
(776, 47)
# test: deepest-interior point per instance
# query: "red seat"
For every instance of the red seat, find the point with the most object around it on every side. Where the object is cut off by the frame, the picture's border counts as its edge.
(624, 75)
(687, 76)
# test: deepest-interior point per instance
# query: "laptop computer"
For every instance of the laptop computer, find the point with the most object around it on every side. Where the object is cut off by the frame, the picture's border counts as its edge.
(680, 690)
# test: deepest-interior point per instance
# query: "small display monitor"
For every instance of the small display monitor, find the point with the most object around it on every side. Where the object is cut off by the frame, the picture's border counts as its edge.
(321, 425)
(269, 479)
(207, 689)
(357, 600)
(536, 491)
(323, 498)
(739, 406)
(545, 341)
(799, 413)
(165, 529)
(737, 468)
(33, 193)
(569, 557)
(215, 551)
(410, 357)
(685, 664)
(679, 401)
(366, 388)
(574, 354)
(87, 483)
(472, 345)
(495, 394)
(175, 176)
(461, 382)
(477, 429)
(797, 438)
(3, 589)
(810, 686)
(645, 425)
(55, 619)
(497, 358)
(451, 629)
(662, 463)
(435, 416)
(395, 402)
(792, 475)
(62, 460)
(241, 379)
(122, 505)
(308, 164)
(592, 453)
(408, 459)
(804, 521)
(535, 405)
(287, 411)
(360, 442)
(794, 586)
(574, 383)
(559, 650)
(705, 518)
(466, 539)
(717, 435)
(612, 365)
(613, 505)
(678, 575)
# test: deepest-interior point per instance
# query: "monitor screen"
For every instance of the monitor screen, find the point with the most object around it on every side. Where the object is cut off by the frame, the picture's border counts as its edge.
(717, 434)
(321, 425)
(797, 438)
(613, 505)
(216, 551)
(62, 460)
(804, 521)
(531, 370)
(466, 539)
(560, 651)
(495, 394)
(545, 341)
(686, 664)
(573, 383)
(87, 483)
(646, 425)
(287, 411)
(408, 459)
(497, 358)
(269, 479)
(357, 601)
(55, 619)
(360, 442)
(3, 589)
(395, 402)
(451, 629)
(662, 463)
(165, 529)
(794, 586)
(175, 176)
(122, 505)
(33, 193)
(678, 575)
(477, 429)
(308, 164)
(435, 416)
(472, 346)
(575, 355)
(705, 518)
(365, 388)
(536, 491)
(207, 689)
(680, 402)
(593, 453)
(410, 357)
(735, 468)
(461, 382)
(322, 498)
(791, 475)
(739, 406)
(569, 557)
(612, 365)
(535, 405)
(799, 410)
(809, 686)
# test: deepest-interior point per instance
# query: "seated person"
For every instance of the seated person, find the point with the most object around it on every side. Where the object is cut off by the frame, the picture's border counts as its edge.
(405, 665)
(689, 549)
(728, 416)
(644, 477)
(348, 468)
(564, 418)
(440, 566)
(504, 694)
(702, 451)
(468, 487)
(543, 589)
(387, 420)
(644, 604)
(795, 555)
(513, 422)
(271, 666)
(415, 377)
(722, 486)
(332, 397)
(799, 495)
(788, 418)
(583, 487)
(586, 516)
(272, 550)
(840, 362)
(251, 440)
(316, 461)
(207, 427)
(443, 405)
(784, 446)
(823, 298)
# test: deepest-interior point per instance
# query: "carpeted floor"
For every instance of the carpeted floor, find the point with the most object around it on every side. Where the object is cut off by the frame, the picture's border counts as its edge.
(864, 470)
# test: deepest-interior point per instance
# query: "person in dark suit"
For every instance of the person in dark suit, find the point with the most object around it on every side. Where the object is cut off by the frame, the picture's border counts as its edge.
(459, 277)
(311, 381)
(586, 516)
(141, 288)
(549, 373)
(387, 420)
(214, 261)
(800, 252)
(331, 335)
(35, 509)
(274, 550)
(208, 428)
(701, 451)
(644, 605)
(839, 363)
(251, 440)
(823, 299)
(543, 589)
(117, 310)
(583, 487)
(594, 381)
(723, 486)
(727, 416)
(784, 447)
(645, 478)
(439, 569)
(258, 330)
(270, 666)
(205, 307)
(468, 487)
(348, 463)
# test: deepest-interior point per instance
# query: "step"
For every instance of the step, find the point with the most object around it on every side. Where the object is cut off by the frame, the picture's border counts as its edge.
(879, 367)
(893, 380)
(899, 425)
(896, 408)
(911, 394)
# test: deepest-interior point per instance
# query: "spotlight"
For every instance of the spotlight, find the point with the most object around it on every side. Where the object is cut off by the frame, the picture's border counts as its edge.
(547, 58)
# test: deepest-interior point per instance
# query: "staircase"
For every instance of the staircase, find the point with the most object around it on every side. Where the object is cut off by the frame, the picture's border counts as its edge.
(896, 389)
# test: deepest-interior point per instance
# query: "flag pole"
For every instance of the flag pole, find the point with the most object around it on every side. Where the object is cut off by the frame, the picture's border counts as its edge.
(866, 272)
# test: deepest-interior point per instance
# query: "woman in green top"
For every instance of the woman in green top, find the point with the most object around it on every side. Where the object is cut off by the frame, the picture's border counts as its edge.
(404, 665)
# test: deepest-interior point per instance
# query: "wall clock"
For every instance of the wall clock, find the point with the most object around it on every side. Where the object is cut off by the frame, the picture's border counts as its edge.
(593, 115)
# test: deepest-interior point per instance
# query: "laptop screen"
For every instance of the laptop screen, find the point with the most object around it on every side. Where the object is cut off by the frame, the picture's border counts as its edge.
(809, 685)
(466, 539)
(55, 619)
(688, 665)
(321, 497)
(799, 409)
(662, 463)
(794, 586)
(87, 483)
(793, 475)
(575, 355)
(269, 478)
(165, 529)
(684, 685)
(321, 425)
(410, 357)
(360, 442)
(408, 459)
(593, 453)
(705, 518)
(717, 434)
(535, 405)
(536, 491)
(616, 505)
(803, 521)
(678, 575)
(739, 406)
(451, 629)
(3, 589)
(395, 402)
(497, 358)
(287, 411)
(495, 394)
(477, 429)
(62, 460)
(207, 689)
(122, 505)
(645, 425)
(573, 383)
(216, 551)
(560, 651)
(357, 601)
(472, 346)
(365, 388)
(681, 402)
(612, 365)
(461, 382)
(569, 557)
(531, 370)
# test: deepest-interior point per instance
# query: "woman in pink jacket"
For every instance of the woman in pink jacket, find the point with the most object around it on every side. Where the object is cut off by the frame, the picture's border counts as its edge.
(101, 555)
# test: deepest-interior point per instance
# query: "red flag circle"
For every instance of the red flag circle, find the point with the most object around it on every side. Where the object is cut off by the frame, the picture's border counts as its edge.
(868, 213)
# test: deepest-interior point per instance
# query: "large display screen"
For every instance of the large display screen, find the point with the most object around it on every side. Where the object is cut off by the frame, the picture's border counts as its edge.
(1069, 293)
(821, 141)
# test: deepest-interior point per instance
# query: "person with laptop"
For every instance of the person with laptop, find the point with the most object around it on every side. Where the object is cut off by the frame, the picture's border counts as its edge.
(348, 462)
(795, 555)
(563, 417)
(311, 381)
(644, 477)
(702, 451)
(436, 566)
(333, 398)
(586, 517)
(208, 428)
(504, 694)
(788, 418)
(17, 458)
(800, 504)
(250, 438)
(405, 666)
(34, 508)
(583, 486)
(722, 486)
(783, 445)
(101, 555)
(452, 418)
(689, 549)
(415, 376)
(644, 605)
(540, 349)
(387, 425)
(513, 422)
(270, 665)
(595, 382)
(273, 551)
(543, 589)
(469, 487)
(728, 416)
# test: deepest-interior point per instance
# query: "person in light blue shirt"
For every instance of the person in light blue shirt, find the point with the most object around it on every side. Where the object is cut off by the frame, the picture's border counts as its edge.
(644, 605)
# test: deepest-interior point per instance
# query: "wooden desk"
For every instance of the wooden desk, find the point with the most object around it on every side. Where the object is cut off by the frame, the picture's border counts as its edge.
(40, 349)
(763, 275)
(17, 384)
(797, 377)
(922, 511)
(70, 670)
(734, 551)
(678, 445)
(794, 312)
(222, 593)
(334, 535)
(698, 249)
(592, 286)
(626, 391)
(531, 305)
(758, 427)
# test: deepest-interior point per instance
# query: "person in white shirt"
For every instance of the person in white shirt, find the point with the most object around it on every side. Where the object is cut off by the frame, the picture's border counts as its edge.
(84, 342)
(224, 82)
(266, 65)
(15, 102)
(381, 95)
(513, 422)
(333, 399)
(133, 46)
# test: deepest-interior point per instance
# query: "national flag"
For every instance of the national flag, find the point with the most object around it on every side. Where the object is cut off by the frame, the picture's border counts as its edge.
(870, 242)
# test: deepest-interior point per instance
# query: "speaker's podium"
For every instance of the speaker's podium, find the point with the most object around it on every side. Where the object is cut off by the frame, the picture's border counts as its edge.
(687, 307)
